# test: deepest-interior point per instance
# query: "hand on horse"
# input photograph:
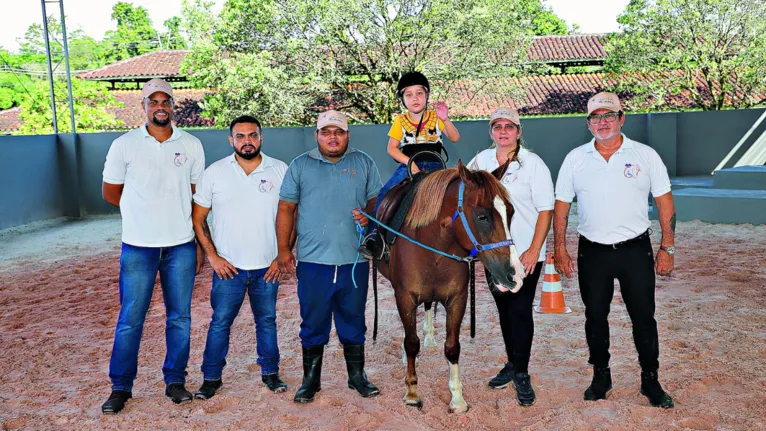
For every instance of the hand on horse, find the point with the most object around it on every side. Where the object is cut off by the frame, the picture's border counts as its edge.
(360, 218)
(442, 110)
(286, 262)
(273, 273)
(222, 267)
(563, 263)
(529, 260)
(664, 263)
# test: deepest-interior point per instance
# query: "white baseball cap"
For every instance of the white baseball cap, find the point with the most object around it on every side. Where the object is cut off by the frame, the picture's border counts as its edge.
(154, 85)
(332, 118)
(604, 100)
(505, 113)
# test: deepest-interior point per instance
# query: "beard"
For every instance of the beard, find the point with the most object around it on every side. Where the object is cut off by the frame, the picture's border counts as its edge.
(159, 122)
(611, 135)
(250, 155)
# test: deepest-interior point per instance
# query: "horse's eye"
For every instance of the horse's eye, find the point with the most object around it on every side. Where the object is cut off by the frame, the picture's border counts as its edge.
(483, 218)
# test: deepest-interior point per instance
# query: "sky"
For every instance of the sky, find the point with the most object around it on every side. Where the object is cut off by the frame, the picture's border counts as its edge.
(93, 16)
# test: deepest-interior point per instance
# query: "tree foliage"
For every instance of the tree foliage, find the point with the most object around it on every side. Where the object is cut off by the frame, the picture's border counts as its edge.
(91, 104)
(711, 50)
(134, 34)
(84, 51)
(273, 56)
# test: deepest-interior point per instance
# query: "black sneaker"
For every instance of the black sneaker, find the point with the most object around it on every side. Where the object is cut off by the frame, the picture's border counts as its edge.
(116, 402)
(178, 393)
(525, 395)
(600, 386)
(503, 378)
(274, 383)
(651, 389)
(208, 389)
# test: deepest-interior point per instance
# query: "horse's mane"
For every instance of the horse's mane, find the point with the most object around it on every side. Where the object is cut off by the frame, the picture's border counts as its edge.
(431, 190)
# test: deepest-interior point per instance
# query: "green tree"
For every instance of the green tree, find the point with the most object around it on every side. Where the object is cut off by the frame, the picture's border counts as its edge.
(134, 34)
(544, 20)
(84, 51)
(172, 38)
(714, 51)
(350, 53)
(13, 83)
(92, 103)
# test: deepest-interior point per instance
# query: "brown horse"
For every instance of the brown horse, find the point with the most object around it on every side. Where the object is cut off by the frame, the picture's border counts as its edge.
(419, 275)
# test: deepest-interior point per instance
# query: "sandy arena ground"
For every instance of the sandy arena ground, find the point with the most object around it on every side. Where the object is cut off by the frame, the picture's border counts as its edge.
(59, 305)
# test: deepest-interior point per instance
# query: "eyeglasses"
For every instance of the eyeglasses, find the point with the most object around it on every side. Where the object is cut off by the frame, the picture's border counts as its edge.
(337, 132)
(239, 137)
(165, 103)
(609, 117)
(507, 127)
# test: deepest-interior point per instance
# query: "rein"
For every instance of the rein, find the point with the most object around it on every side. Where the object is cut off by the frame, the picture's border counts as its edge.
(470, 259)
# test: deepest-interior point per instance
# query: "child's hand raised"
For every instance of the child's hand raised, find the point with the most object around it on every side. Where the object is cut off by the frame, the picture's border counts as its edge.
(442, 110)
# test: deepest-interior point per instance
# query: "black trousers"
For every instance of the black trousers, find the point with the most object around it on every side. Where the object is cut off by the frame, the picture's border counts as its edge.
(516, 323)
(632, 264)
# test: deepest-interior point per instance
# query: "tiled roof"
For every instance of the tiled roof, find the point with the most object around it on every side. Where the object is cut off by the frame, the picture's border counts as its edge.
(9, 120)
(167, 63)
(132, 114)
(156, 64)
(567, 48)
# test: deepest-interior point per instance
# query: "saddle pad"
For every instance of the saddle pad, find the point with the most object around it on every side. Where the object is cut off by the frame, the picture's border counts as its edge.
(404, 207)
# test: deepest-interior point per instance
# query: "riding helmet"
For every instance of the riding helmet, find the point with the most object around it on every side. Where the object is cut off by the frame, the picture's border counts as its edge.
(410, 79)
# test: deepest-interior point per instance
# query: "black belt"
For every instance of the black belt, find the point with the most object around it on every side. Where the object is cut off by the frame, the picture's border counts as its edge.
(620, 244)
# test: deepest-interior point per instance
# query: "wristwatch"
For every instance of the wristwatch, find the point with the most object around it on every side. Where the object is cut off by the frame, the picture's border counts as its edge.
(670, 250)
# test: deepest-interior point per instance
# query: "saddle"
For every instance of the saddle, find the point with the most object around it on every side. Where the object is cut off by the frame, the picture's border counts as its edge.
(394, 207)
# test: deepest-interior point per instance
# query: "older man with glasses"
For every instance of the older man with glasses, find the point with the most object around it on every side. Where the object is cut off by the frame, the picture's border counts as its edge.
(612, 176)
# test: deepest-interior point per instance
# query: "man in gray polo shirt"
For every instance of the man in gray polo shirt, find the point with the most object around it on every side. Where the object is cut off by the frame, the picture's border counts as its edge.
(327, 186)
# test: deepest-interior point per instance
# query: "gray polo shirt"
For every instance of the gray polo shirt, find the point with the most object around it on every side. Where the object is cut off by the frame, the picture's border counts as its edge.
(326, 193)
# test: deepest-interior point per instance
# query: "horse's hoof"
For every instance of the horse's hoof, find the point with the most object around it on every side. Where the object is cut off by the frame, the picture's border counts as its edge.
(429, 342)
(414, 403)
(459, 408)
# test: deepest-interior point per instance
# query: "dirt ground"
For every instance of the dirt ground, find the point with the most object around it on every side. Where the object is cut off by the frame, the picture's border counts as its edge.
(59, 305)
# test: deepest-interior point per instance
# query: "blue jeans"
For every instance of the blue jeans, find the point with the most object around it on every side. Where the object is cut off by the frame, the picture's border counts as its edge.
(226, 299)
(138, 271)
(325, 291)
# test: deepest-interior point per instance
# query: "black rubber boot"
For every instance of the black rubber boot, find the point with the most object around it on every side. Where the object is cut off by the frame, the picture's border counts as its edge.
(600, 386)
(312, 373)
(177, 393)
(503, 378)
(274, 383)
(651, 389)
(525, 395)
(357, 378)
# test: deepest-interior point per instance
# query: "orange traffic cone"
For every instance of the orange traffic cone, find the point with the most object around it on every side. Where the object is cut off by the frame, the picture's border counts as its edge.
(552, 298)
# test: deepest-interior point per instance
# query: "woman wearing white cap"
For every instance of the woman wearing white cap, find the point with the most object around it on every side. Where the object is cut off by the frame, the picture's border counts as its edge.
(529, 184)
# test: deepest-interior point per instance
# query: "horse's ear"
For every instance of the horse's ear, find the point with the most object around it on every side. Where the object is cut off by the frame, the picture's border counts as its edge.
(500, 171)
(465, 174)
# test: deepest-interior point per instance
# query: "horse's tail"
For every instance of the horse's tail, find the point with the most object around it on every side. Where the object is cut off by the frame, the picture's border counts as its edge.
(375, 294)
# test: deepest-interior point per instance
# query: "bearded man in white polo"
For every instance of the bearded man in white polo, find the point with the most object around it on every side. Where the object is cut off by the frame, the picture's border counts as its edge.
(150, 174)
(612, 176)
(242, 191)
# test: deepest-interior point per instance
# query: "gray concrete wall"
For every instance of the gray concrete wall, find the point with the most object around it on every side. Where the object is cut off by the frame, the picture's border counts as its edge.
(30, 178)
(68, 169)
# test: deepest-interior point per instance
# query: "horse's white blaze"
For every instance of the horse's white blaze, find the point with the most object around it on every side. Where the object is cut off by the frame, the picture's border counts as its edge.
(515, 262)
(457, 404)
(428, 329)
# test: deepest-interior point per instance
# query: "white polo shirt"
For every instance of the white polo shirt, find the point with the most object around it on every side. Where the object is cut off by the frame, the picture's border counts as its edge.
(530, 186)
(612, 197)
(156, 200)
(244, 209)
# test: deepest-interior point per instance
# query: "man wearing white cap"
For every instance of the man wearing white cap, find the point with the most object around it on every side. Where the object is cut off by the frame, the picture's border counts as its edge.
(150, 174)
(327, 186)
(612, 176)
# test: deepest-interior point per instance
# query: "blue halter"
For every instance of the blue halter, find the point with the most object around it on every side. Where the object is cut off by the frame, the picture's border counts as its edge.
(477, 248)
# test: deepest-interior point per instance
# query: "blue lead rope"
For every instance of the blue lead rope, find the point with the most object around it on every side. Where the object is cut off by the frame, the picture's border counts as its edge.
(360, 231)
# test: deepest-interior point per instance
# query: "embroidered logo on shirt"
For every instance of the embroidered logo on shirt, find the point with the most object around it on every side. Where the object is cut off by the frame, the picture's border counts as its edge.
(631, 170)
(509, 178)
(347, 173)
(265, 186)
(180, 159)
